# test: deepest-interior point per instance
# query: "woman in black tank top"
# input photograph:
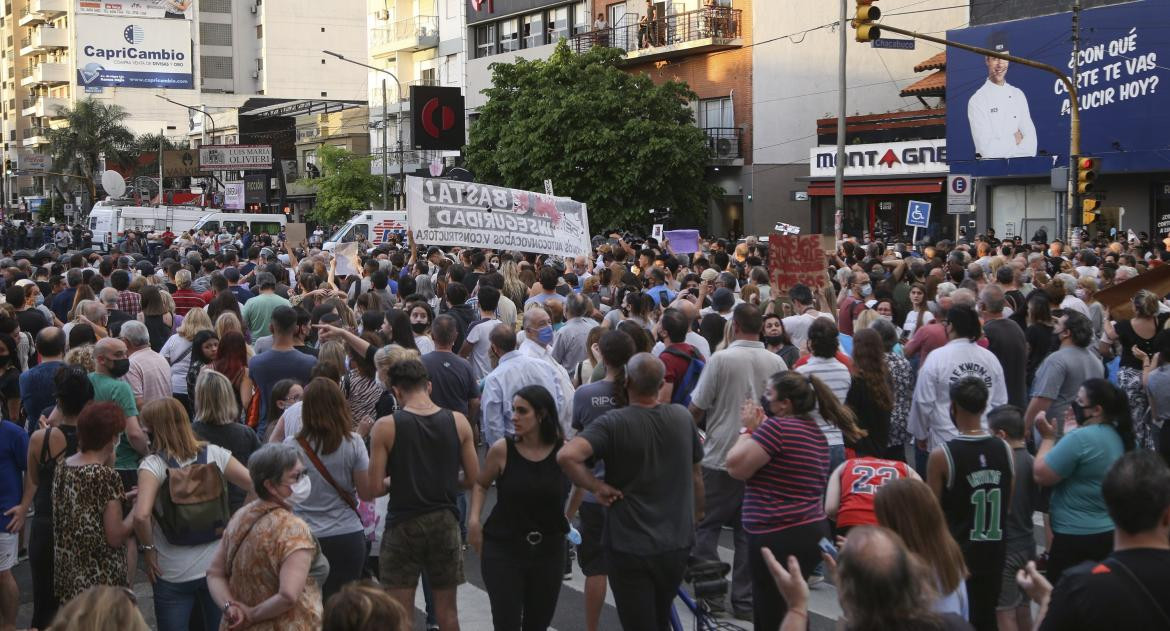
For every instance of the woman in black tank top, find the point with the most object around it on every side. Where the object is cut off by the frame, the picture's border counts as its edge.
(48, 447)
(522, 545)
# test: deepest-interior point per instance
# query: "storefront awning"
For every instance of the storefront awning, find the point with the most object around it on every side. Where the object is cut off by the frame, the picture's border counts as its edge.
(879, 187)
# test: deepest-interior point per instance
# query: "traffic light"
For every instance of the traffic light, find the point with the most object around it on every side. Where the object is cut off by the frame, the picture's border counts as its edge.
(867, 31)
(1089, 209)
(287, 210)
(8, 166)
(1086, 174)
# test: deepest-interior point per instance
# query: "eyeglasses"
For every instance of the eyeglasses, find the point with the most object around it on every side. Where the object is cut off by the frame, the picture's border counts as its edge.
(293, 398)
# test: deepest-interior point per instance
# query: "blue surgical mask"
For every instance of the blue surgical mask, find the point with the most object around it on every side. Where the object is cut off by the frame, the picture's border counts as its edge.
(545, 335)
(40, 300)
(866, 290)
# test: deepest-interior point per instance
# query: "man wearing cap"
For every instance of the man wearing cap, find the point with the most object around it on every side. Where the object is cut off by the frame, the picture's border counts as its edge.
(258, 311)
(1001, 124)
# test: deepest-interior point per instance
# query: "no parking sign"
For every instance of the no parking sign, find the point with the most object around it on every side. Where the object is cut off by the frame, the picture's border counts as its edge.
(958, 194)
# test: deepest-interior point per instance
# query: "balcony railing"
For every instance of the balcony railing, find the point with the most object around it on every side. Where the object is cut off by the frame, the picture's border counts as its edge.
(414, 33)
(724, 143)
(711, 23)
(392, 97)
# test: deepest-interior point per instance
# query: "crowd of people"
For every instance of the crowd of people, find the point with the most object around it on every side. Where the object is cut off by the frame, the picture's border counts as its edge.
(273, 444)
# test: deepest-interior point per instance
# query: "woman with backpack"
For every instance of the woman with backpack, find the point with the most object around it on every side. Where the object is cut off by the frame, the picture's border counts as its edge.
(337, 460)
(181, 513)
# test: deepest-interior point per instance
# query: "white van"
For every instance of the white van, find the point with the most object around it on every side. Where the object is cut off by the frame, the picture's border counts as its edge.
(108, 221)
(375, 225)
(258, 223)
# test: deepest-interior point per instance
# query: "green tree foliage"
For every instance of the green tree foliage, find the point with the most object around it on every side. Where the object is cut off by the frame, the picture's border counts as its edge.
(345, 185)
(92, 129)
(611, 139)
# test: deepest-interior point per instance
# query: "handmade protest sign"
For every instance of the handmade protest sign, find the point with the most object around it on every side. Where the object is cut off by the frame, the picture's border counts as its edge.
(796, 259)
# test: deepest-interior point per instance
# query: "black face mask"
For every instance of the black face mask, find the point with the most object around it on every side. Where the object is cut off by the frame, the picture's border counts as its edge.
(773, 340)
(1079, 412)
(766, 404)
(418, 327)
(119, 368)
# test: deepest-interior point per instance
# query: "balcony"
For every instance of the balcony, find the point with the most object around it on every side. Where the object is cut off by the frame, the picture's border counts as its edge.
(45, 74)
(34, 136)
(43, 107)
(393, 102)
(725, 145)
(412, 34)
(44, 39)
(694, 32)
(41, 11)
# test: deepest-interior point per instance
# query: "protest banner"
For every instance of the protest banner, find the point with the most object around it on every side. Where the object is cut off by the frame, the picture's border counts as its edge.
(682, 241)
(1118, 298)
(796, 259)
(448, 212)
(349, 262)
(295, 233)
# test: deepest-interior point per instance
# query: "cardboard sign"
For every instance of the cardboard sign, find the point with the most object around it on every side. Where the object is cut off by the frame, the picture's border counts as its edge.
(295, 234)
(796, 259)
(682, 241)
(1118, 297)
(348, 261)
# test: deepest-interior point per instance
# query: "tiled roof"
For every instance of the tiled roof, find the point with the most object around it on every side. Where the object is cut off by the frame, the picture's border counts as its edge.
(933, 85)
(938, 62)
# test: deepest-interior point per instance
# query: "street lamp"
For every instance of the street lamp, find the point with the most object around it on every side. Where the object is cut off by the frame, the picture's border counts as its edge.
(398, 127)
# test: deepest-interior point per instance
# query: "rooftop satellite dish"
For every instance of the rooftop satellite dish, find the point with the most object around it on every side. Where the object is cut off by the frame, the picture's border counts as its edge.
(113, 183)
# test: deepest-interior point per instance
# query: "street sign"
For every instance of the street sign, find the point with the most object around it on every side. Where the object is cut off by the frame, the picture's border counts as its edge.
(918, 214)
(888, 42)
(548, 187)
(958, 194)
(68, 208)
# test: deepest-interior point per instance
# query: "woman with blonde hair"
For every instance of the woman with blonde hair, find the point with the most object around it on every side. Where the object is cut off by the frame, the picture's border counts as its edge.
(338, 462)
(384, 359)
(101, 608)
(177, 352)
(909, 508)
(216, 416)
(178, 553)
(228, 322)
(514, 288)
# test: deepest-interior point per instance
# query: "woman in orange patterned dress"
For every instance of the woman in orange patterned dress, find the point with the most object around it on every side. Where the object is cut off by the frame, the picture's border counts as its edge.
(260, 574)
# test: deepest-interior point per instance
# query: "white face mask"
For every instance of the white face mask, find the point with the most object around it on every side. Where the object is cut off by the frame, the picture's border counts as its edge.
(300, 491)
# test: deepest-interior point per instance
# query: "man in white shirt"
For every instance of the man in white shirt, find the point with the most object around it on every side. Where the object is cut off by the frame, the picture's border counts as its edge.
(536, 341)
(930, 412)
(803, 304)
(514, 371)
(1001, 124)
(736, 374)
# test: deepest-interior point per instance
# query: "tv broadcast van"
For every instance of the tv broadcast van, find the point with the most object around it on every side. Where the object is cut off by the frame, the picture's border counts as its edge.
(108, 221)
(375, 225)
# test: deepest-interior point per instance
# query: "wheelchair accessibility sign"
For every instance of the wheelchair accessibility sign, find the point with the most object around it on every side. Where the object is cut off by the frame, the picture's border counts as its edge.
(918, 214)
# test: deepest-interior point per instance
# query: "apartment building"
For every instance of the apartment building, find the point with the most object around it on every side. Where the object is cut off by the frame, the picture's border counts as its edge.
(209, 54)
(420, 43)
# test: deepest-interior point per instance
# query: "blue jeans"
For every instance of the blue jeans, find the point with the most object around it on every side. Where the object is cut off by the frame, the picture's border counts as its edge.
(174, 602)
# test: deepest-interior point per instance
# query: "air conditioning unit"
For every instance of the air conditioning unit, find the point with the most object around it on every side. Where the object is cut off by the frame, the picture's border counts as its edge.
(255, 74)
(382, 15)
(725, 148)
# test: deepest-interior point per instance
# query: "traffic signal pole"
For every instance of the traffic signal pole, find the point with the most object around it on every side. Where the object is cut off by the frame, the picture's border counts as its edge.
(1070, 84)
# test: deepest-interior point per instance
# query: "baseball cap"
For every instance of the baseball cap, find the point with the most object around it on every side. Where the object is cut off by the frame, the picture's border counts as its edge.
(709, 274)
(998, 41)
(24, 282)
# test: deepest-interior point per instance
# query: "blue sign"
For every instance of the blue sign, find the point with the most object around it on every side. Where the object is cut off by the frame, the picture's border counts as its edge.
(918, 214)
(896, 44)
(1009, 119)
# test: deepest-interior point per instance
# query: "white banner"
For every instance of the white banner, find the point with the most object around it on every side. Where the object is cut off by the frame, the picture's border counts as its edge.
(887, 158)
(29, 161)
(233, 196)
(173, 9)
(235, 157)
(120, 52)
(447, 212)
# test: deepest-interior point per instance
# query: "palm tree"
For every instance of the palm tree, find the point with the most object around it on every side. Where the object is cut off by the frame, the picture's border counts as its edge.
(92, 129)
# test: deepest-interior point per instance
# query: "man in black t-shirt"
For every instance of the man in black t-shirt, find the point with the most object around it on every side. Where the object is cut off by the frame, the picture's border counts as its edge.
(1130, 589)
(972, 477)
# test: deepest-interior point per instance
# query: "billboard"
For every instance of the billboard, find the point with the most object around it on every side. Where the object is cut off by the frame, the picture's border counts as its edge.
(119, 52)
(180, 163)
(171, 9)
(448, 212)
(235, 157)
(233, 196)
(436, 118)
(1009, 119)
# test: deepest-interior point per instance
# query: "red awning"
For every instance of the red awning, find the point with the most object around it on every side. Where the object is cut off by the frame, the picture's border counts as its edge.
(879, 187)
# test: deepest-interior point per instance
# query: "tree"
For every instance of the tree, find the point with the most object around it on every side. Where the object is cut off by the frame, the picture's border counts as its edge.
(92, 129)
(611, 139)
(345, 185)
(144, 155)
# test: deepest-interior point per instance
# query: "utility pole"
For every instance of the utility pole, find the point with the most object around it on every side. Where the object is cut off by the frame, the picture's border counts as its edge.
(839, 179)
(1073, 219)
(385, 167)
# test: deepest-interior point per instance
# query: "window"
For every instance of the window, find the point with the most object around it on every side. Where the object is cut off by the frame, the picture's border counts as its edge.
(617, 14)
(558, 23)
(716, 113)
(215, 34)
(581, 21)
(216, 67)
(509, 36)
(358, 229)
(533, 31)
(485, 40)
(265, 227)
(259, 31)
